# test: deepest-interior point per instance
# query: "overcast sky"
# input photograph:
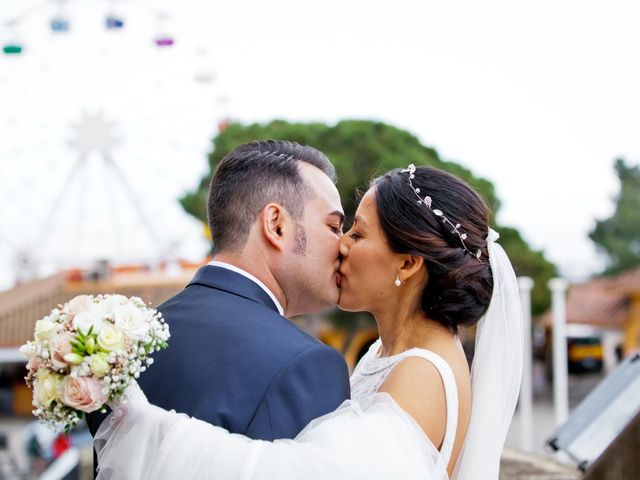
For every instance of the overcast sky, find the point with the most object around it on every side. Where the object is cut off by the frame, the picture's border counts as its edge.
(538, 97)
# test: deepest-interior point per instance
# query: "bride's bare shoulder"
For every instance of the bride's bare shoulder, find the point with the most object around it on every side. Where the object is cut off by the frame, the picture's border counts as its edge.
(416, 385)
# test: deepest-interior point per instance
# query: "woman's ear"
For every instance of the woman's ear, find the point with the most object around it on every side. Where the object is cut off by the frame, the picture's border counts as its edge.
(273, 225)
(412, 265)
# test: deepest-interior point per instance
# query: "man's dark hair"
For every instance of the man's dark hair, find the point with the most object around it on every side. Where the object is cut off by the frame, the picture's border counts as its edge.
(253, 175)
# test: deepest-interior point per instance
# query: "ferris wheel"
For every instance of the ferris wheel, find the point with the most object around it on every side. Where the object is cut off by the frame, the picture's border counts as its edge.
(106, 120)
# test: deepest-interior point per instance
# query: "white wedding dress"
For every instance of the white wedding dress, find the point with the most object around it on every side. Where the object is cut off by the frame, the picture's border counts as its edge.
(369, 437)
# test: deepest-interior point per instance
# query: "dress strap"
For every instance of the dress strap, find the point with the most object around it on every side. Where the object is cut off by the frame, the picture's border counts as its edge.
(450, 393)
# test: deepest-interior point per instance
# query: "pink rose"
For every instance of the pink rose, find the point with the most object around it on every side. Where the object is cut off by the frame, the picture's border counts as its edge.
(34, 363)
(77, 305)
(83, 393)
(60, 346)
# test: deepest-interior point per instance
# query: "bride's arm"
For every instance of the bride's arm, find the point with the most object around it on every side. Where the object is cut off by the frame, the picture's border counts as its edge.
(358, 441)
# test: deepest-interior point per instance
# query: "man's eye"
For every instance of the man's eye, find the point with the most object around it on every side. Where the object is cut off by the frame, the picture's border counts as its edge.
(335, 228)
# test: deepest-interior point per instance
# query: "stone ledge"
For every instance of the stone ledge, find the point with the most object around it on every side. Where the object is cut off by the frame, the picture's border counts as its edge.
(517, 465)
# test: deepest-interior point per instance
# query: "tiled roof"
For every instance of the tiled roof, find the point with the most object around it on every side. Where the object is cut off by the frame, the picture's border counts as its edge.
(23, 305)
(628, 282)
(601, 302)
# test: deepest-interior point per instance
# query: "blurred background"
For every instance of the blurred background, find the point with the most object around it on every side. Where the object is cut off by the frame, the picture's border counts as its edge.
(113, 115)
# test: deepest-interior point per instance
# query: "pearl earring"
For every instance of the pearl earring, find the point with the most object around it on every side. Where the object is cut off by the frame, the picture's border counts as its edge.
(397, 282)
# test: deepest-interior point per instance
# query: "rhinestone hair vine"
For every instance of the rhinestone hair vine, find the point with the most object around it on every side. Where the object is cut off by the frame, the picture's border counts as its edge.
(426, 201)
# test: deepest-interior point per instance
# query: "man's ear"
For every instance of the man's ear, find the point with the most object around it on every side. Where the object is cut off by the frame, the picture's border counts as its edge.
(411, 265)
(273, 225)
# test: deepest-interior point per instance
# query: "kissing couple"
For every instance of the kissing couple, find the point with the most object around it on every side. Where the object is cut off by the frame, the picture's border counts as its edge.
(243, 393)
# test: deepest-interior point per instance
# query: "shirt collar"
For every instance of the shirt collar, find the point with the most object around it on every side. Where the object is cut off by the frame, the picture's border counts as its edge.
(233, 268)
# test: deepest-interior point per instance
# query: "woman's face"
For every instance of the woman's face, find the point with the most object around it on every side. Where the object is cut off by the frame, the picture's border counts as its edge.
(369, 267)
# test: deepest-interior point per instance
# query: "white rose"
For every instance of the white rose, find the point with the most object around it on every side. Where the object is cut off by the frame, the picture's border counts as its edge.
(132, 321)
(28, 350)
(46, 329)
(85, 320)
(46, 388)
(111, 339)
(108, 304)
(99, 366)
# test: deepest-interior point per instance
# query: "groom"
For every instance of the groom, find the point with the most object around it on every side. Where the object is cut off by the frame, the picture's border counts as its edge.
(234, 358)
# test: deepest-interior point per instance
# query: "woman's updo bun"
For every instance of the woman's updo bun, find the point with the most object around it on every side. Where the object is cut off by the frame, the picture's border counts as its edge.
(460, 285)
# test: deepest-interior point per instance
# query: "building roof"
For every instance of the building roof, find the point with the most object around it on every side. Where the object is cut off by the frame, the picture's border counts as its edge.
(602, 302)
(628, 283)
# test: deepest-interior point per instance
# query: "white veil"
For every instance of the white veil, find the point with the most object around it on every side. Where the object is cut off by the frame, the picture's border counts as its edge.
(496, 372)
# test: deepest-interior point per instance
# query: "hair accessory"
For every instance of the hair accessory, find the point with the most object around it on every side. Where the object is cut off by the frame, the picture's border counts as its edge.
(426, 200)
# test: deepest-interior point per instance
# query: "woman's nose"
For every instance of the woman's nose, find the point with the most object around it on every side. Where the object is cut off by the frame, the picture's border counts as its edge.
(344, 245)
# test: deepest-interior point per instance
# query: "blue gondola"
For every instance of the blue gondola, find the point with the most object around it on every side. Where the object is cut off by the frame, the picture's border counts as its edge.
(114, 23)
(59, 25)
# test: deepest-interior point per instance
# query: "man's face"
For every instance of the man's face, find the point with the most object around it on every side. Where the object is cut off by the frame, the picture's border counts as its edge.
(313, 260)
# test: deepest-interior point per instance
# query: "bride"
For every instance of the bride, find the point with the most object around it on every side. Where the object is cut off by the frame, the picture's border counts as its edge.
(422, 259)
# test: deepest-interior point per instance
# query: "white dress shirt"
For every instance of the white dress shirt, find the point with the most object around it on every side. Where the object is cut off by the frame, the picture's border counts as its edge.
(233, 268)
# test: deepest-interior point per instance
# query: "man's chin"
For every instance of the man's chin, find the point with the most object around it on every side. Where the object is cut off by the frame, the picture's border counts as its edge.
(322, 304)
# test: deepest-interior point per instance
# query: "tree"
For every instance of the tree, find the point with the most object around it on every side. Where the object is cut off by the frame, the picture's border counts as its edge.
(360, 150)
(618, 236)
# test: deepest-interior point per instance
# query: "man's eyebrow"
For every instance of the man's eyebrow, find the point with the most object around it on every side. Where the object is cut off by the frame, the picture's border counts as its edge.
(338, 214)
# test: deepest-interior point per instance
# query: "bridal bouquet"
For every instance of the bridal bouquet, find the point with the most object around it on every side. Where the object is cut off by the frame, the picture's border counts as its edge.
(87, 352)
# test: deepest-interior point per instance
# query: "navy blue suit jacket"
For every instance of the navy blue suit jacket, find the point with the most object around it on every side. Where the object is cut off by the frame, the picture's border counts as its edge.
(235, 362)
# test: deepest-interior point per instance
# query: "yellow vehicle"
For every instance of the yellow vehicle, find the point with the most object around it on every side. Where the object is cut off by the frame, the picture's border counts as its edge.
(353, 344)
(584, 349)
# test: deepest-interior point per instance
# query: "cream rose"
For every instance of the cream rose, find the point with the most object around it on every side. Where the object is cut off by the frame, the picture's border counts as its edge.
(46, 388)
(131, 320)
(111, 339)
(59, 346)
(99, 365)
(83, 393)
(46, 329)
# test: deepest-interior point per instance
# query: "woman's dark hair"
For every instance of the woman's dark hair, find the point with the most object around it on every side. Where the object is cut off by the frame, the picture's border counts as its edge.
(459, 285)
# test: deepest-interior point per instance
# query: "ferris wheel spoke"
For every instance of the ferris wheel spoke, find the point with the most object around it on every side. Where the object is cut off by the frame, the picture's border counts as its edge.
(71, 176)
(4, 239)
(27, 13)
(81, 210)
(113, 208)
(136, 203)
(38, 148)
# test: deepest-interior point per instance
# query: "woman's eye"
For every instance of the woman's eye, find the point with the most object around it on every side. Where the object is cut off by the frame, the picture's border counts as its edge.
(355, 235)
